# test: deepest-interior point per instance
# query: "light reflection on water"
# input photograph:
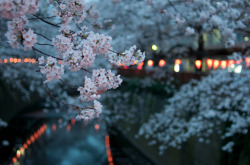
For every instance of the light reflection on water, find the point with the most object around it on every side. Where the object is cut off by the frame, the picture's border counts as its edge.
(81, 144)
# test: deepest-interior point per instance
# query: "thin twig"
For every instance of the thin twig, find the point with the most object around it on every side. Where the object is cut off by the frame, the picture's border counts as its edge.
(45, 21)
(42, 36)
(87, 70)
(68, 84)
(42, 18)
(56, 99)
(46, 54)
(44, 44)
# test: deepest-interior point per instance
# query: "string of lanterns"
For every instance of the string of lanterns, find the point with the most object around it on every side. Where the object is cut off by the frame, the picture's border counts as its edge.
(18, 60)
(210, 64)
(32, 138)
(108, 150)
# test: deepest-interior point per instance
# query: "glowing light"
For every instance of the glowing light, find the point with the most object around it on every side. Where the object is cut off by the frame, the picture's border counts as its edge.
(110, 159)
(32, 138)
(150, 63)
(108, 150)
(218, 3)
(135, 62)
(162, 63)
(73, 121)
(209, 63)
(246, 38)
(176, 68)
(140, 65)
(18, 60)
(97, 127)
(216, 64)
(177, 62)
(22, 151)
(231, 62)
(238, 69)
(36, 135)
(25, 145)
(239, 61)
(154, 47)
(54, 127)
(28, 142)
(223, 64)
(198, 64)
(11, 60)
(14, 160)
(247, 59)
(68, 127)
(107, 141)
(18, 154)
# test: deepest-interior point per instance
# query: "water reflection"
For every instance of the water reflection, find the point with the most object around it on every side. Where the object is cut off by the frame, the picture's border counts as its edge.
(65, 143)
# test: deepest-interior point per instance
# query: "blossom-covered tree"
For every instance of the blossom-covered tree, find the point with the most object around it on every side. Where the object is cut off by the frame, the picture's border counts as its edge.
(181, 27)
(218, 104)
(75, 47)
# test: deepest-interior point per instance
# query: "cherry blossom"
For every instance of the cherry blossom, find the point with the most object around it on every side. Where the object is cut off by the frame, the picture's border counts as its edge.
(76, 49)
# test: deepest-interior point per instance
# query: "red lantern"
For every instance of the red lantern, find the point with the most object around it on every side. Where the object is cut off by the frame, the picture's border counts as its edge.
(139, 67)
(223, 64)
(247, 59)
(178, 61)
(150, 63)
(216, 64)
(97, 127)
(162, 63)
(198, 64)
(68, 127)
(54, 127)
(14, 160)
(73, 121)
(231, 62)
(239, 61)
(209, 63)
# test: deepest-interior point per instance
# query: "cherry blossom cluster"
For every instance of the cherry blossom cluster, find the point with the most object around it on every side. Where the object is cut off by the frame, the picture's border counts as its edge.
(50, 68)
(200, 108)
(78, 53)
(90, 113)
(68, 10)
(17, 33)
(77, 50)
(99, 42)
(15, 8)
(75, 10)
(189, 31)
(204, 16)
(101, 81)
(62, 43)
(127, 58)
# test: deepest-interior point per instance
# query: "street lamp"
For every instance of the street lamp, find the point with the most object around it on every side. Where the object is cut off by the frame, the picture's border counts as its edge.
(154, 47)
